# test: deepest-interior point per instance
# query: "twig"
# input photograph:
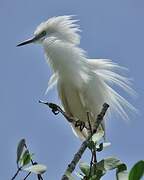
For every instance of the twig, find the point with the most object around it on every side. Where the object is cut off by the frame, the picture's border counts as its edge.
(84, 145)
(100, 117)
(33, 163)
(39, 177)
(56, 109)
(27, 176)
(18, 170)
(91, 149)
(89, 124)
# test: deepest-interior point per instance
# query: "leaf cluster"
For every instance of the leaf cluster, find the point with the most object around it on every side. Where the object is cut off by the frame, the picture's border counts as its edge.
(25, 162)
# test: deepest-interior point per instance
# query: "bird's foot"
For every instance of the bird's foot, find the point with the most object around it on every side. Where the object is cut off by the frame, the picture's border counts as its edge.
(80, 124)
(55, 108)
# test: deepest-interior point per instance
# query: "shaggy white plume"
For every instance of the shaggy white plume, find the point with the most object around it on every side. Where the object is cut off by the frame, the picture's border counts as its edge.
(83, 84)
(62, 26)
(105, 68)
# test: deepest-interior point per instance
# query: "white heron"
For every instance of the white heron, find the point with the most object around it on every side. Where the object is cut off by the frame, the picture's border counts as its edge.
(83, 84)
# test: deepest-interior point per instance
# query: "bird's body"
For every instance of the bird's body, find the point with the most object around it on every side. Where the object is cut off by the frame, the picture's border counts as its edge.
(83, 84)
(76, 82)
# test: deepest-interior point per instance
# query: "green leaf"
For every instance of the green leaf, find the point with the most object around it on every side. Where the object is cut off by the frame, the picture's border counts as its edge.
(105, 145)
(94, 177)
(99, 173)
(37, 169)
(26, 158)
(70, 177)
(98, 136)
(121, 173)
(137, 171)
(96, 174)
(108, 164)
(20, 149)
(121, 167)
(85, 168)
(111, 163)
(79, 175)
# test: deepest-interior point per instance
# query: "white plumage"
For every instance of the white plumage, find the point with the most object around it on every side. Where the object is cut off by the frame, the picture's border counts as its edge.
(83, 84)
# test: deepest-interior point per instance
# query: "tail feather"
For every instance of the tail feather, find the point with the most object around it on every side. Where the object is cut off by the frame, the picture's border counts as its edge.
(120, 104)
(105, 69)
(114, 78)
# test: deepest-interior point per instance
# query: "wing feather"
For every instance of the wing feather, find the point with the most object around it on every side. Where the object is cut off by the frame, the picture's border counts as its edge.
(52, 82)
(69, 110)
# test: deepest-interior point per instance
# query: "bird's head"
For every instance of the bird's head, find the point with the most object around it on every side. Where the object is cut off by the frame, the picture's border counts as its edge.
(61, 28)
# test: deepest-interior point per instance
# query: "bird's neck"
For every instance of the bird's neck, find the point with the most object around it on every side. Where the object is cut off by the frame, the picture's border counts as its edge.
(64, 58)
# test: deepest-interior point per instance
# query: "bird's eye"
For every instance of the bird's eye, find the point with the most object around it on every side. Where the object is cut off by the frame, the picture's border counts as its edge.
(43, 33)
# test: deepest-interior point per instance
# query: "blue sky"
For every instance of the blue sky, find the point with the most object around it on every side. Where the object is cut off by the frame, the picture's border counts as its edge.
(110, 29)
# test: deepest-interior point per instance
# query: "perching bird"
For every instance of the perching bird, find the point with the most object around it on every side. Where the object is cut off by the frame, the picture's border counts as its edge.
(83, 84)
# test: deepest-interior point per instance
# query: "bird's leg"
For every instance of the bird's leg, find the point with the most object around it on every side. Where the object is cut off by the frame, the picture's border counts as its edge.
(89, 123)
(92, 162)
(57, 109)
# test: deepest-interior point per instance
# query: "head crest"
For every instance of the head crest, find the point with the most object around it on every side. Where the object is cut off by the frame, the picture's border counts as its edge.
(64, 27)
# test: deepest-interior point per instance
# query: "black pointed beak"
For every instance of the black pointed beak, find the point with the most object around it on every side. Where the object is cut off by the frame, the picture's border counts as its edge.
(31, 40)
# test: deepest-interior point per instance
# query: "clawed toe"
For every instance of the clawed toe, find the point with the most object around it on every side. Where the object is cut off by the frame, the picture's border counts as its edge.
(80, 124)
